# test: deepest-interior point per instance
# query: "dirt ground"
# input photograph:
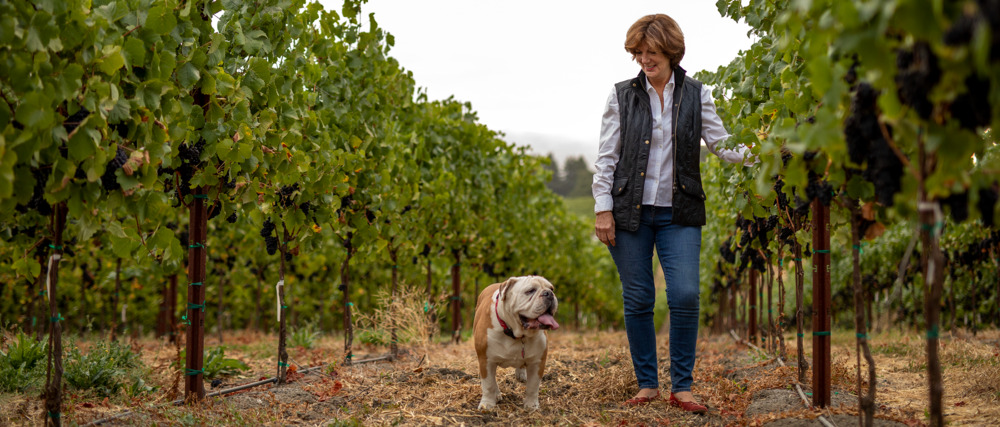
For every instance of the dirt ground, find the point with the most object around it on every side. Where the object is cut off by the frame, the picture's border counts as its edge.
(588, 376)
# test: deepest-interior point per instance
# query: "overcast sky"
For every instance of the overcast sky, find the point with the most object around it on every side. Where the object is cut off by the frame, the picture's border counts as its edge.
(540, 70)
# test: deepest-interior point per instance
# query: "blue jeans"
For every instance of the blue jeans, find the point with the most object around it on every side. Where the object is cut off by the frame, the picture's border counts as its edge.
(679, 249)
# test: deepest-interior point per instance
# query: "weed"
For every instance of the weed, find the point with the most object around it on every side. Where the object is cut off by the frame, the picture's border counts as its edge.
(304, 336)
(104, 369)
(22, 364)
(138, 388)
(216, 364)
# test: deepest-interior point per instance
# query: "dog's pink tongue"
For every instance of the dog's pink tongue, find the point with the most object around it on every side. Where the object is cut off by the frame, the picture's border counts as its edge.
(547, 319)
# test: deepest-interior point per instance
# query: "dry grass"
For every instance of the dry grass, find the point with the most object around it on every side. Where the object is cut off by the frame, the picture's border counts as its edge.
(587, 377)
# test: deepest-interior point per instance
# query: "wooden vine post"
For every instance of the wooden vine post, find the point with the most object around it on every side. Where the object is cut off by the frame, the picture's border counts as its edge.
(866, 401)
(116, 300)
(931, 223)
(429, 306)
(194, 386)
(456, 312)
(53, 377)
(800, 317)
(281, 309)
(752, 333)
(346, 302)
(393, 345)
(821, 303)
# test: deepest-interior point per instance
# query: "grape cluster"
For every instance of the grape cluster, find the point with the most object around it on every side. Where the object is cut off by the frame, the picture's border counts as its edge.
(270, 240)
(819, 189)
(286, 195)
(972, 108)
(987, 202)
(726, 251)
(215, 210)
(958, 204)
(74, 120)
(231, 218)
(861, 126)
(109, 180)
(918, 73)
(37, 202)
(782, 200)
(961, 31)
(976, 252)
(190, 155)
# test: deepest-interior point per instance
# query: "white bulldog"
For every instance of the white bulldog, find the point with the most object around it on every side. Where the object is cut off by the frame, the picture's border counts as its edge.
(509, 332)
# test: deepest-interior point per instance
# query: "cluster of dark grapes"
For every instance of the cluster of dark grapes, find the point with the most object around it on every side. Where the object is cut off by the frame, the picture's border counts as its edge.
(215, 210)
(757, 227)
(961, 31)
(819, 189)
(270, 240)
(190, 155)
(866, 143)
(231, 218)
(74, 120)
(109, 180)
(782, 199)
(972, 108)
(987, 202)
(918, 73)
(726, 251)
(976, 252)
(958, 205)
(286, 195)
(37, 202)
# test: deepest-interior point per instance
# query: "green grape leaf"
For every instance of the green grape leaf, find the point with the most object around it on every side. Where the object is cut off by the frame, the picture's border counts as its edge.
(112, 60)
(188, 75)
(160, 19)
(135, 51)
(34, 111)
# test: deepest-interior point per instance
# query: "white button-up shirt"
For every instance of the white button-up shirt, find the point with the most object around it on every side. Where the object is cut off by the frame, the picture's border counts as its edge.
(658, 187)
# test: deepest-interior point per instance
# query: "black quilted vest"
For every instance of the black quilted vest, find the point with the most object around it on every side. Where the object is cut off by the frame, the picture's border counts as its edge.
(636, 135)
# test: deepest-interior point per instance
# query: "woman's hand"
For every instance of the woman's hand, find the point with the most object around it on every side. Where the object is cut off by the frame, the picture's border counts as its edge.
(604, 227)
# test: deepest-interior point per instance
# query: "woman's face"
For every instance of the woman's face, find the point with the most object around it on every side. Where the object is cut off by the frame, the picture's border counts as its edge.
(653, 62)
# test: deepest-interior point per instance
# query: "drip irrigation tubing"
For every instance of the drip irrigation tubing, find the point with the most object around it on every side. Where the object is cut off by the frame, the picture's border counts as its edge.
(227, 391)
(798, 387)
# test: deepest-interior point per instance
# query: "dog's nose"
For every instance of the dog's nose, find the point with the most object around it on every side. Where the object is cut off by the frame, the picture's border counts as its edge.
(547, 294)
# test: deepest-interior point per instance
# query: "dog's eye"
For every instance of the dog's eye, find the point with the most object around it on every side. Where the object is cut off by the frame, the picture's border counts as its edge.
(530, 291)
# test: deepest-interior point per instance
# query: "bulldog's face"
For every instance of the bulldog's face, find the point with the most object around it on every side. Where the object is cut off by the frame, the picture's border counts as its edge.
(531, 301)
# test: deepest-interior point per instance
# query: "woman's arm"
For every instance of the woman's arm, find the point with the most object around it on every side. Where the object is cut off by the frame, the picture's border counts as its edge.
(607, 155)
(713, 132)
(607, 159)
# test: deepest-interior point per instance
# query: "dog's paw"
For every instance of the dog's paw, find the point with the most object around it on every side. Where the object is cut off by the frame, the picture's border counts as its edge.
(531, 405)
(487, 406)
(521, 374)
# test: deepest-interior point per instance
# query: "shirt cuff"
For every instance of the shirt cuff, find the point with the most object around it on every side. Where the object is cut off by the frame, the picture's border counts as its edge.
(603, 203)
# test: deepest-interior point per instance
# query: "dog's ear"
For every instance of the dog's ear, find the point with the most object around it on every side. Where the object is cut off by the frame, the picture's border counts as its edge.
(507, 285)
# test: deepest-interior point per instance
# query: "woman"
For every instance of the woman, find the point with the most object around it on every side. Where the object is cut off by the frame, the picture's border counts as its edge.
(648, 193)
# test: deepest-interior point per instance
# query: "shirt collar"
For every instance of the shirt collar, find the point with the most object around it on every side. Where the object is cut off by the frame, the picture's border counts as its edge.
(670, 84)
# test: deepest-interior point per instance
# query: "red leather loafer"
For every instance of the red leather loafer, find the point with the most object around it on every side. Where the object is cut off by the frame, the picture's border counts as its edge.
(637, 401)
(694, 407)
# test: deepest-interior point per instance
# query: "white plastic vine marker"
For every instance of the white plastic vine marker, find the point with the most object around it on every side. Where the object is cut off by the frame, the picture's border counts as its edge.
(48, 276)
(277, 297)
(124, 306)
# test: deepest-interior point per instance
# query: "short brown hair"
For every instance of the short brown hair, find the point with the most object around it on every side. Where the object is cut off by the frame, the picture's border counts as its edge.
(659, 32)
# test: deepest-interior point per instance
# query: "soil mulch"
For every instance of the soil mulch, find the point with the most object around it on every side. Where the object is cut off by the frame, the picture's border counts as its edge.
(587, 377)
